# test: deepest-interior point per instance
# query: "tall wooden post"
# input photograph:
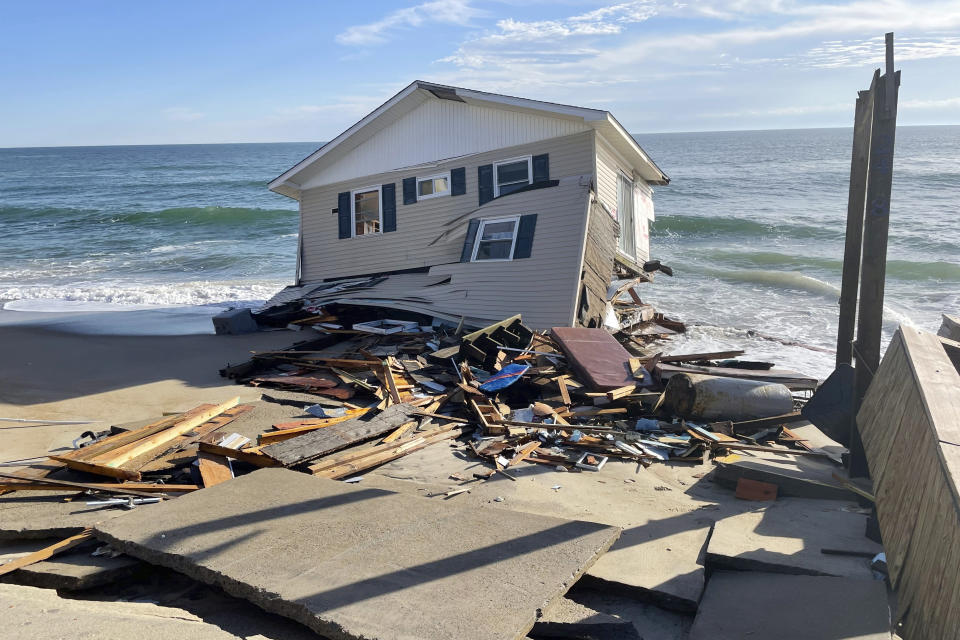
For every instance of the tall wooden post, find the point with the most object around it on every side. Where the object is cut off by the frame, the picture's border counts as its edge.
(856, 199)
(875, 230)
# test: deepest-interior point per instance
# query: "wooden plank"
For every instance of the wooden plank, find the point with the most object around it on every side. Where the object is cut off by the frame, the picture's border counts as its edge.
(47, 552)
(391, 453)
(873, 262)
(98, 469)
(324, 441)
(117, 457)
(523, 453)
(144, 487)
(564, 392)
(243, 455)
(113, 442)
(856, 205)
(214, 468)
(57, 484)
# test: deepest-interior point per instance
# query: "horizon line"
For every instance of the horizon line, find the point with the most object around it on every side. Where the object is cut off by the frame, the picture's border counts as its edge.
(649, 133)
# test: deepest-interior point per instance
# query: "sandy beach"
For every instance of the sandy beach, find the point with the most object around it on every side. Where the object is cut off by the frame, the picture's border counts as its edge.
(50, 374)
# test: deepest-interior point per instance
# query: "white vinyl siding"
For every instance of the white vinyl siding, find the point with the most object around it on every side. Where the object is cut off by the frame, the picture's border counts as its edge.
(414, 244)
(468, 129)
(609, 170)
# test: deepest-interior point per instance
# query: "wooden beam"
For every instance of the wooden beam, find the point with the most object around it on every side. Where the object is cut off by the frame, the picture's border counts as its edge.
(253, 457)
(46, 552)
(59, 484)
(128, 452)
(856, 202)
(141, 487)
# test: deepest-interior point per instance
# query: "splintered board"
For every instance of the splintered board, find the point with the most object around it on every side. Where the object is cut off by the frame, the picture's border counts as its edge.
(123, 456)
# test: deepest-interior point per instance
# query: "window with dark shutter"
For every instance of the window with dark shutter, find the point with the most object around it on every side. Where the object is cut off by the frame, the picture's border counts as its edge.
(388, 193)
(458, 181)
(524, 245)
(409, 190)
(467, 253)
(343, 214)
(485, 179)
(541, 168)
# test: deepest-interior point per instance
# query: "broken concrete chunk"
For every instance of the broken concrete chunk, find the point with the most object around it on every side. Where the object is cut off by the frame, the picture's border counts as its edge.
(352, 562)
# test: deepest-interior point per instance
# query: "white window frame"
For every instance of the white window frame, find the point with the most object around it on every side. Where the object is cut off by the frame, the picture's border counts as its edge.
(513, 243)
(433, 177)
(496, 183)
(353, 210)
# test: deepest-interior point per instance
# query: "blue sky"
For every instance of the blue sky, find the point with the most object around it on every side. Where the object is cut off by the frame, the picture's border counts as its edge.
(146, 72)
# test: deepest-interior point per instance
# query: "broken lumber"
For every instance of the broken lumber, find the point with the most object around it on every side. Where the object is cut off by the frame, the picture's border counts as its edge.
(340, 436)
(47, 552)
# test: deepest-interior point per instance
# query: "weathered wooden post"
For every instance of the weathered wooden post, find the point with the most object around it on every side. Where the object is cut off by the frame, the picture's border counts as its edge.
(856, 200)
(875, 232)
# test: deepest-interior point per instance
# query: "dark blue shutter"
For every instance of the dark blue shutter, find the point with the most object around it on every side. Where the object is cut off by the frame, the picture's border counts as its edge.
(541, 168)
(409, 190)
(343, 214)
(388, 193)
(524, 245)
(485, 178)
(468, 242)
(458, 181)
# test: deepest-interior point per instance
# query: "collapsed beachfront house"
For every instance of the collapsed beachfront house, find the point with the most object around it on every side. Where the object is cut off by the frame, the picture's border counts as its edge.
(470, 207)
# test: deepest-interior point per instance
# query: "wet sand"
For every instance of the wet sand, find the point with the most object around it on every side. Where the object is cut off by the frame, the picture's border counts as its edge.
(49, 374)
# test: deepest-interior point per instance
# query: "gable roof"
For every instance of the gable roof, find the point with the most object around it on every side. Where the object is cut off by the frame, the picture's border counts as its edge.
(418, 92)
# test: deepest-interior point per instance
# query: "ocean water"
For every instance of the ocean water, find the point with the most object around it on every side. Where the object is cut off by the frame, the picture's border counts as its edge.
(752, 224)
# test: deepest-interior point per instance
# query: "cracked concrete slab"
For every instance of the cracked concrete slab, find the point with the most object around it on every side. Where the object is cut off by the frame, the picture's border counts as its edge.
(747, 604)
(352, 562)
(787, 537)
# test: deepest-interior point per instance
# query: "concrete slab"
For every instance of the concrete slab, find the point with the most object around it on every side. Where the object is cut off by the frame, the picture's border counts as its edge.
(795, 476)
(352, 562)
(40, 614)
(739, 605)
(659, 556)
(656, 562)
(787, 537)
(569, 619)
(46, 514)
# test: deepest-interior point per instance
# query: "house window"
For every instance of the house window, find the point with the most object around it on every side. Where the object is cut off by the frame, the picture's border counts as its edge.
(366, 211)
(495, 239)
(510, 175)
(433, 186)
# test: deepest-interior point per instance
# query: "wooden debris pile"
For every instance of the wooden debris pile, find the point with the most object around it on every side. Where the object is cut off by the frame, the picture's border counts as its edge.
(573, 399)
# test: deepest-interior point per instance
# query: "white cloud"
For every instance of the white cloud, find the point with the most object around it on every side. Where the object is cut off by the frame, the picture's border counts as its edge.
(870, 51)
(604, 21)
(457, 12)
(941, 103)
(182, 114)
